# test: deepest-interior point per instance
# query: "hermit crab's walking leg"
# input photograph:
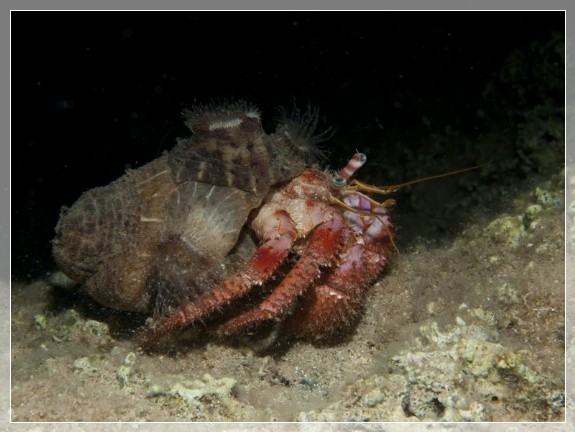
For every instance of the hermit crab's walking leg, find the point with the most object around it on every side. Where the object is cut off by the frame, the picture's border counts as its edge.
(279, 237)
(324, 245)
(336, 301)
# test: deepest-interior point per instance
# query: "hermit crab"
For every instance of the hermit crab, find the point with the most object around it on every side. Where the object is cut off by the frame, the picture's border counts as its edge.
(232, 227)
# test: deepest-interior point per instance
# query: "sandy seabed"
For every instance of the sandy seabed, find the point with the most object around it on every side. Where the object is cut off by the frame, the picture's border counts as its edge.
(472, 330)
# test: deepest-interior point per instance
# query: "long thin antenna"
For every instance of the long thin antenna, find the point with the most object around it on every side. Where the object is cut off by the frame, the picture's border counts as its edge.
(385, 190)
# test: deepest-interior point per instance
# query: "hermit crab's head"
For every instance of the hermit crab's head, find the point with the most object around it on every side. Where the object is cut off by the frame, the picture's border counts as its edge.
(368, 218)
(352, 194)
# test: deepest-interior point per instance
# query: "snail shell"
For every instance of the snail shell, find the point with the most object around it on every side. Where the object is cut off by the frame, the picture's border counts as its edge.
(173, 228)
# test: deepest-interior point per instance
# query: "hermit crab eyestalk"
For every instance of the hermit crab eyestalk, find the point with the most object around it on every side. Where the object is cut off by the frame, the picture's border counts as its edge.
(355, 163)
(338, 182)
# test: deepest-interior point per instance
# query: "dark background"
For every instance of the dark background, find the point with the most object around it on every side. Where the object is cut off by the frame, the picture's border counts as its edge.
(96, 92)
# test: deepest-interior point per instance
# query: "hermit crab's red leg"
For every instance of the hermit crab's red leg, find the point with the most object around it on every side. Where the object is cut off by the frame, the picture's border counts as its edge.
(268, 257)
(336, 302)
(325, 243)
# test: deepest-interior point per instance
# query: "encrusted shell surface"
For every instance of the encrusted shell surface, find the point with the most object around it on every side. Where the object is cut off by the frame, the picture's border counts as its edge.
(173, 228)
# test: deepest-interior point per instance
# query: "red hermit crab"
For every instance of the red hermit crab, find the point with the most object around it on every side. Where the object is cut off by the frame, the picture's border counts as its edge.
(342, 239)
(176, 236)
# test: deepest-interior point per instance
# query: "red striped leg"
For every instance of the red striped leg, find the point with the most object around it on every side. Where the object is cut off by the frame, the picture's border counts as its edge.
(324, 244)
(259, 268)
(336, 303)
